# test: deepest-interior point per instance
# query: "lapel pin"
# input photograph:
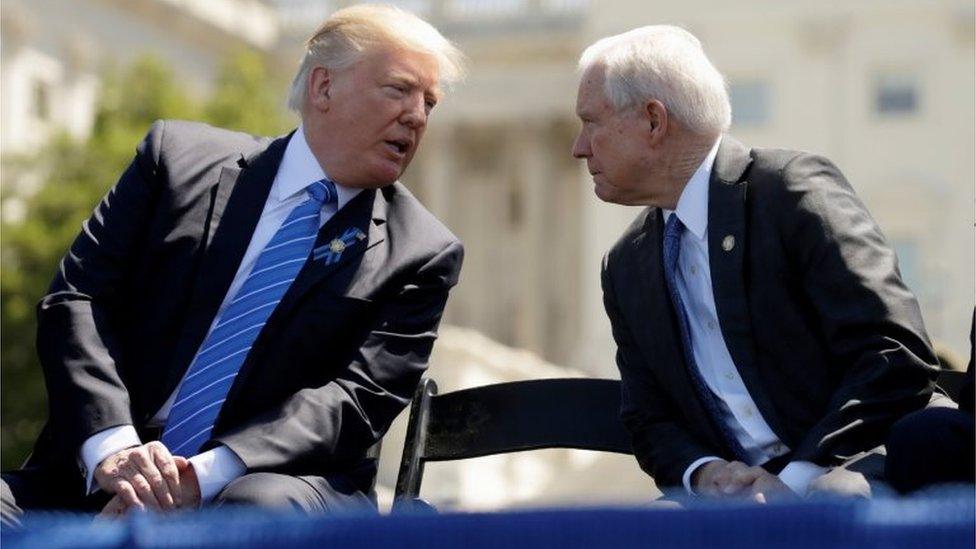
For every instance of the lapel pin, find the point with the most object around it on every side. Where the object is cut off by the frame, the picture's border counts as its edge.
(332, 252)
(728, 243)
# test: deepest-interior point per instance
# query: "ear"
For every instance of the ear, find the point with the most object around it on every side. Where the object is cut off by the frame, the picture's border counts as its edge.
(319, 89)
(657, 120)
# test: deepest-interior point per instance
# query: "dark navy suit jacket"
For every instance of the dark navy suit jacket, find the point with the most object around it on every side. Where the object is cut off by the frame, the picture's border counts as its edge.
(827, 338)
(338, 359)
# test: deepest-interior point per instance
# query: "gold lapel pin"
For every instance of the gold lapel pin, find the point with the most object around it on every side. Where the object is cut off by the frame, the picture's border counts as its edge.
(728, 243)
(337, 246)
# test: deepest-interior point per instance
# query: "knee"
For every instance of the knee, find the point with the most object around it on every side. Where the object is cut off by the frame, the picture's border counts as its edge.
(929, 447)
(922, 432)
(261, 490)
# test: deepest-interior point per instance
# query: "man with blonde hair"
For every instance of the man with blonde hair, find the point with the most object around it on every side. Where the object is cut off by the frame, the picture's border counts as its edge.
(242, 318)
(766, 341)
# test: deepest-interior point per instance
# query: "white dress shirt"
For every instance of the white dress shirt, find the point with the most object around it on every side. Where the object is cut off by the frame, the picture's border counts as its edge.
(215, 468)
(694, 281)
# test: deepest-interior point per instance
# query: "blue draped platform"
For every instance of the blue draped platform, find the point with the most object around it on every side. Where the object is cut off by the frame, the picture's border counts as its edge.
(943, 522)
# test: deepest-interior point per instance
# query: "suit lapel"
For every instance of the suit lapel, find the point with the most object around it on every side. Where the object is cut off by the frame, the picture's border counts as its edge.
(358, 215)
(659, 333)
(236, 206)
(366, 213)
(727, 247)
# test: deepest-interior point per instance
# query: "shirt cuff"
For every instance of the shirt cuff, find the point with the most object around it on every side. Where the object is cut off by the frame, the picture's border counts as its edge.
(686, 478)
(101, 445)
(215, 469)
(799, 474)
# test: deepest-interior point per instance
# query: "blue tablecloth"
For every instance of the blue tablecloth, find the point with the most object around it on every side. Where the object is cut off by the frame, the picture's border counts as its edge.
(926, 522)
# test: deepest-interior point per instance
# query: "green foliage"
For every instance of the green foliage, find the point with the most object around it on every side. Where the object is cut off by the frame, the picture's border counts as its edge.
(243, 100)
(71, 177)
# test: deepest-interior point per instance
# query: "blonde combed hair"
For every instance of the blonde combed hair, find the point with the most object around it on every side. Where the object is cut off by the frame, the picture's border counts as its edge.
(342, 39)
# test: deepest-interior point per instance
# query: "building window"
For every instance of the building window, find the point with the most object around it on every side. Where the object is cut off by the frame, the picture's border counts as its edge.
(41, 100)
(895, 94)
(750, 103)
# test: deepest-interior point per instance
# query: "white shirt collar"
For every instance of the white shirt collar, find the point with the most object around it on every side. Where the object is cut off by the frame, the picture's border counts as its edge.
(299, 168)
(692, 208)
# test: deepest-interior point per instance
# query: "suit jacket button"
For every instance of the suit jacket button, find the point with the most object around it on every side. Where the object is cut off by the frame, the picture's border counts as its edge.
(728, 243)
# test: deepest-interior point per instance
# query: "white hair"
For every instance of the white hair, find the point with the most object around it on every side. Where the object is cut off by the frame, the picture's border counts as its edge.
(665, 63)
(343, 38)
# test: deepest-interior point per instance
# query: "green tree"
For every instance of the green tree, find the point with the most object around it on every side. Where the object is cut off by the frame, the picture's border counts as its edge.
(244, 100)
(73, 177)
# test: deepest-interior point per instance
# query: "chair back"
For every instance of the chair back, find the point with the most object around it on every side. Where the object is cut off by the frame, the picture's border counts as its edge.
(576, 413)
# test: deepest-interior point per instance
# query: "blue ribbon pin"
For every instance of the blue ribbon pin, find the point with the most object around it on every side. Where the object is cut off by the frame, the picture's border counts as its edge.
(332, 251)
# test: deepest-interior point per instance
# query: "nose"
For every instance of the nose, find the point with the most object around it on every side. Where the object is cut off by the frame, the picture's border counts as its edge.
(414, 113)
(581, 147)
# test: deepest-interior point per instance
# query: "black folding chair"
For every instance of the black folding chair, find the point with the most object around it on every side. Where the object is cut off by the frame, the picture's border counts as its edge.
(507, 417)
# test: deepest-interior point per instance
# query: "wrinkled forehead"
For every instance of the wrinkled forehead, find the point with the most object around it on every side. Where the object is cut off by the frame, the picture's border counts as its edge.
(591, 94)
(416, 68)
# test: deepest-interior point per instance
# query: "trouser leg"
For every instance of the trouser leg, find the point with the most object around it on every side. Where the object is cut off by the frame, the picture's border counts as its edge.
(308, 494)
(34, 488)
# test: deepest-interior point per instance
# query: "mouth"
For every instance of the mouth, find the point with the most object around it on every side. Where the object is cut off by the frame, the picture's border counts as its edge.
(399, 147)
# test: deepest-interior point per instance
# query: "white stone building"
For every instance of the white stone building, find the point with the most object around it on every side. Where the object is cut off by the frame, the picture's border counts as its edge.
(53, 52)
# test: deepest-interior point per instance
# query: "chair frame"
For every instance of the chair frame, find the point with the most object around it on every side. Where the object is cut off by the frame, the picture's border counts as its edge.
(580, 413)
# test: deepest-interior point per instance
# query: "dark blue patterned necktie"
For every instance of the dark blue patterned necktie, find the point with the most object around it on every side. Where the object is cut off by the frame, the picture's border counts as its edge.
(222, 353)
(672, 247)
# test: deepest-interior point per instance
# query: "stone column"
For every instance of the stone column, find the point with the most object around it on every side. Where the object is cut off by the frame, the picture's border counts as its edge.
(439, 171)
(602, 225)
(532, 165)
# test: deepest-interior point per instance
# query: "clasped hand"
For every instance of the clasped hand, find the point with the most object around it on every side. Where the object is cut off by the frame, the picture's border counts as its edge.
(147, 476)
(735, 479)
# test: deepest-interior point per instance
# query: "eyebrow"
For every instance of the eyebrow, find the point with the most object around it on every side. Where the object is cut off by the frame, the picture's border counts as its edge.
(403, 78)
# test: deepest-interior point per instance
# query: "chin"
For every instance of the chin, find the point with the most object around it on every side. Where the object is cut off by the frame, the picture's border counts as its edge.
(381, 176)
(605, 193)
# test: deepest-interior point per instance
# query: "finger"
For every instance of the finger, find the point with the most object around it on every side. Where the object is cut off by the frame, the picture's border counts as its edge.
(710, 489)
(759, 498)
(746, 476)
(741, 478)
(109, 472)
(723, 482)
(144, 491)
(170, 475)
(722, 474)
(143, 475)
(132, 477)
(112, 509)
(127, 495)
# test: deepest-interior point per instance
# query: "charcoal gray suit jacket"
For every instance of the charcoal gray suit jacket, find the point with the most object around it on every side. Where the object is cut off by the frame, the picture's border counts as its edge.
(338, 359)
(827, 338)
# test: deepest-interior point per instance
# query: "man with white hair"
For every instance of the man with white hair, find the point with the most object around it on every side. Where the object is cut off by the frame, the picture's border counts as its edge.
(766, 341)
(242, 318)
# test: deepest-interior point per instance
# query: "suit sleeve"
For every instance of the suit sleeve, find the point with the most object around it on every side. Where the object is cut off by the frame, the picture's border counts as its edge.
(662, 444)
(76, 339)
(333, 424)
(868, 318)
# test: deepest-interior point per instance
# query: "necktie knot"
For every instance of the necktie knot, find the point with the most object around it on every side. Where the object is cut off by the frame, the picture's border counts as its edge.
(672, 242)
(674, 227)
(323, 191)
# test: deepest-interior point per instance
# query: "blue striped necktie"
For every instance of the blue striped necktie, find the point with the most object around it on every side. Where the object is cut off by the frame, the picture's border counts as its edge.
(210, 376)
(672, 247)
